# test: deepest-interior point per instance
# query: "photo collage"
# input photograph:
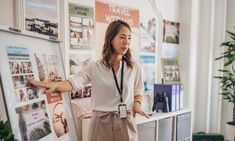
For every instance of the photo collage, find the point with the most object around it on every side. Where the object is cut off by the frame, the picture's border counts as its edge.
(85, 92)
(21, 71)
(77, 62)
(81, 26)
(170, 70)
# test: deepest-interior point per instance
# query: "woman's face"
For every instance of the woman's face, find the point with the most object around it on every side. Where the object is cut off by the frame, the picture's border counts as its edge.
(122, 41)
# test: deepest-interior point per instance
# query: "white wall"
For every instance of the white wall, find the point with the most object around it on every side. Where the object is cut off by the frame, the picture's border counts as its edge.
(6, 14)
(211, 35)
(207, 32)
(6, 19)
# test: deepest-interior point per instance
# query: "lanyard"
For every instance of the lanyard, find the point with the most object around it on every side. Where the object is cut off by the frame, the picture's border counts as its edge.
(116, 82)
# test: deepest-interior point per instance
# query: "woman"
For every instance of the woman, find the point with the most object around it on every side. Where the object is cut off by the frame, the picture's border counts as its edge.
(117, 87)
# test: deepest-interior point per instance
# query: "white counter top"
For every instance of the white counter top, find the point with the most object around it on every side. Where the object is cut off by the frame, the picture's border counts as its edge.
(157, 116)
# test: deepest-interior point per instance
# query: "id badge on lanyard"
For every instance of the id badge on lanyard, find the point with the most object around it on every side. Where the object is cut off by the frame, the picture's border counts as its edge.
(122, 109)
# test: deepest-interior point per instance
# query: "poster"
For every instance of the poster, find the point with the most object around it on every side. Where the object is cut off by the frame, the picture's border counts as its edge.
(170, 70)
(171, 32)
(81, 21)
(171, 35)
(33, 121)
(148, 66)
(47, 65)
(24, 57)
(77, 62)
(109, 12)
(41, 16)
(57, 114)
(21, 70)
(148, 35)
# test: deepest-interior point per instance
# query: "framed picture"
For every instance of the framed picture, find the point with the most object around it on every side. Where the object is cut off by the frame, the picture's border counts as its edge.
(171, 32)
(41, 16)
(170, 70)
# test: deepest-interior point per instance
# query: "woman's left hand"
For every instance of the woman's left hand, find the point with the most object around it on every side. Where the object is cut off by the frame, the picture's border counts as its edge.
(137, 110)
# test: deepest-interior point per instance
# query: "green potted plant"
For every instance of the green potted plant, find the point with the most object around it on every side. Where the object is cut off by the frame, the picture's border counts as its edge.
(5, 132)
(227, 80)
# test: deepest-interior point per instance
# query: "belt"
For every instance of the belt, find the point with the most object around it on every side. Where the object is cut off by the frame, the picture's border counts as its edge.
(114, 117)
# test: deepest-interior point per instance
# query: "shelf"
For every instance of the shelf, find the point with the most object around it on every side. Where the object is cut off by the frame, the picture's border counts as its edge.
(157, 116)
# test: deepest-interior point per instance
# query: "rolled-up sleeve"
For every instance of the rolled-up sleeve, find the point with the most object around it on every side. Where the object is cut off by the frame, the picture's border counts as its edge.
(139, 83)
(82, 78)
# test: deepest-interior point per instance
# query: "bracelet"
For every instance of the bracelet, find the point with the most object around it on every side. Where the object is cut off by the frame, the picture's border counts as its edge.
(138, 102)
(71, 85)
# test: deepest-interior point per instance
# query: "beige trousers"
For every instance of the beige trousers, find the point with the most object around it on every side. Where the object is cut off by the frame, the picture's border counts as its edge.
(108, 126)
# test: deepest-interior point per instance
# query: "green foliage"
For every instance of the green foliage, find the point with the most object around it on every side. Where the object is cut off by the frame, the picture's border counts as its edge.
(227, 80)
(5, 132)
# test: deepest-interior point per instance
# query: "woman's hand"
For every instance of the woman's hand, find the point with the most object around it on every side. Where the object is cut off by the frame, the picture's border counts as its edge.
(137, 110)
(62, 86)
(48, 86)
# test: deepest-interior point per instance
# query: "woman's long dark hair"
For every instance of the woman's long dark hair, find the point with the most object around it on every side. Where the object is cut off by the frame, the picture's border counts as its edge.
(108, 49)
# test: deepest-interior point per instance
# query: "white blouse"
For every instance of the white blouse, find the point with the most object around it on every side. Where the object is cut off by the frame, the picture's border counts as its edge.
(104, 93)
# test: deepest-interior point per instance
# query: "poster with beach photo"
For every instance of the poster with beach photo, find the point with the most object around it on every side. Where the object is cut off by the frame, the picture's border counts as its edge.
(33, 121)
(81, 21)
(109, 12)
(41, 16)
(57, 114)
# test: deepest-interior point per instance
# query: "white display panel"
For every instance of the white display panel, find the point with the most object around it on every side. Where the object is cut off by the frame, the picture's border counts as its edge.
(32, 114)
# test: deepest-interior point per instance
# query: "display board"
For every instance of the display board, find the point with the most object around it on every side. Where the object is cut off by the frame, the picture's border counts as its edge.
(32, 114)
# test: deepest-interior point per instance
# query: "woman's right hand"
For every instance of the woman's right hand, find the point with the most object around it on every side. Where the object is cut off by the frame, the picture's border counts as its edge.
(48, 86)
